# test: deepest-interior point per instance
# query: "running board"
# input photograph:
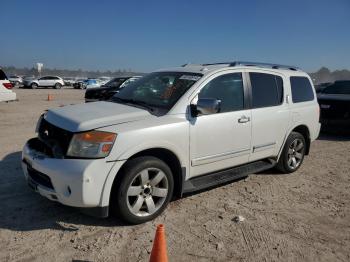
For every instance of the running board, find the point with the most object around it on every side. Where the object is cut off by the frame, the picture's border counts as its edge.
(220, 177)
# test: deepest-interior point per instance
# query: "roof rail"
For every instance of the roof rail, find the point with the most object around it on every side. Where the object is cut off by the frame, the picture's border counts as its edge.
(242, 63)
(190, 64)
(268, 65)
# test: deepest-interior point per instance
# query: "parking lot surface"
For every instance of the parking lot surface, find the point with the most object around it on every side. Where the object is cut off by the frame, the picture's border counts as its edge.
(300, 217)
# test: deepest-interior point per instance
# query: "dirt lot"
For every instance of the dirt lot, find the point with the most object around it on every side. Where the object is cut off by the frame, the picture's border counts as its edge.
(299, 217)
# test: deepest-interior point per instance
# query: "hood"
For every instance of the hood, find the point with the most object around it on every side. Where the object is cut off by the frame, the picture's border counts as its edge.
(337, 97)
(83, 117)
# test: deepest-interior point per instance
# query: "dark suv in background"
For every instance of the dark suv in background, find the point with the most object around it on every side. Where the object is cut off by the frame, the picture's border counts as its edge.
(106, 91)
(334, 101)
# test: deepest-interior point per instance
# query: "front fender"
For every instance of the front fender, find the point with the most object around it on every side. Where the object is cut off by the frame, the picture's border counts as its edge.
(122, 159)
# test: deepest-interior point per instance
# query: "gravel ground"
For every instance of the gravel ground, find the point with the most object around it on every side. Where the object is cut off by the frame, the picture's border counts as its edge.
(300, 217)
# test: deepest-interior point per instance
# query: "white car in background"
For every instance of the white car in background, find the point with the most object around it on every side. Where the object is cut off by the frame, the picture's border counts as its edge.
(15, 80)
(45, 81)
(6, 94)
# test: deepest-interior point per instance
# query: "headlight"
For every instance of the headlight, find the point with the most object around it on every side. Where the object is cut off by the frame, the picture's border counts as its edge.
(92, 144)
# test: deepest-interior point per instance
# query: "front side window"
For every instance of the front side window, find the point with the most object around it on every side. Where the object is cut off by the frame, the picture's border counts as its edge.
(157, 90)
(44, 78)
(301, 89)
(227, 88)
(267, 90)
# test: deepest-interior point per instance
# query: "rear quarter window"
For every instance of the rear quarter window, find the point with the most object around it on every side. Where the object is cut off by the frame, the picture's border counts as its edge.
(301, 89)
(2, 75)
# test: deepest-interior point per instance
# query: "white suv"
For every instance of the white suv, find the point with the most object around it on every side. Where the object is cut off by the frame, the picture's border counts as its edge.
(6, 94)
(45, 81)
(172, 132)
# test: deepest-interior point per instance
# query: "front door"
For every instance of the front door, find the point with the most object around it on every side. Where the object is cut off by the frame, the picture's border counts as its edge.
(43, 81)
(221, 140)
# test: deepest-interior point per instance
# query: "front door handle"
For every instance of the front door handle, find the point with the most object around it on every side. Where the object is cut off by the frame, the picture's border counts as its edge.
(244, 119)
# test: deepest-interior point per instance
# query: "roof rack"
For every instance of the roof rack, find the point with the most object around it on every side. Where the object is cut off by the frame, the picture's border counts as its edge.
(274, 66)
(257, 64)
(190, 64)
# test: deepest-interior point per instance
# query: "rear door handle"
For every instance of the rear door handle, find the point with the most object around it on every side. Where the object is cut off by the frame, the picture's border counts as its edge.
(243, 119)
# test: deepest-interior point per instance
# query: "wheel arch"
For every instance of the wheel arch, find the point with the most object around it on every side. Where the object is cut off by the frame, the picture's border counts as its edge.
(304, 130)
(164, 154)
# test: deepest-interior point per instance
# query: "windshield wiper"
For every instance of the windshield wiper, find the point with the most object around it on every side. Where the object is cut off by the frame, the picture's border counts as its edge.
(135, 102)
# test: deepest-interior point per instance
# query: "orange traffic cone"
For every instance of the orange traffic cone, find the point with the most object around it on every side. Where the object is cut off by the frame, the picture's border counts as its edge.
(49, 97)
(159, 251)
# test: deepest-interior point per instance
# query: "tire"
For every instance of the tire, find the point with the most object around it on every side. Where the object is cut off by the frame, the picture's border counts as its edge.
(58, 86)
(293, 153)
(34, 85)
(143, 191)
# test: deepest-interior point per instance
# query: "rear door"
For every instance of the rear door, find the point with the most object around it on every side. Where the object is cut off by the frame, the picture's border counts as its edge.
(270, 113)
(221, 140)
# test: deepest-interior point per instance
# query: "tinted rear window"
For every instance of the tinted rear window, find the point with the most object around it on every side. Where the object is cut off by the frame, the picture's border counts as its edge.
(267, 90)
(2, 75)
(301, 89)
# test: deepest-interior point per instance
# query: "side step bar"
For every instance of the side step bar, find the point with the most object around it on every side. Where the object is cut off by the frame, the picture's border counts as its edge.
(220, 177)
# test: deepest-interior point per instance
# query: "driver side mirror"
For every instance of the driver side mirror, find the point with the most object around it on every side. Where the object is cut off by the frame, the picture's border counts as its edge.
(206, 106)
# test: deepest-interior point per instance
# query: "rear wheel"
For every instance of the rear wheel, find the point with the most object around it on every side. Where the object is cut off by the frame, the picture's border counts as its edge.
(293, 153)
(144, 190)
(58, 86)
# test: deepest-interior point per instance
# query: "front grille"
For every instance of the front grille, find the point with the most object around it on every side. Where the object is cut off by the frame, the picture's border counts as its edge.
(39, 177)
(55, 138)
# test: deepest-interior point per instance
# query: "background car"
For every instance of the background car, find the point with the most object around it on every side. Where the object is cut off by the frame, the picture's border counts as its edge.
(69, 81)
(6, 94)
(15, 80)
(334, 103)
(91, 83)
(87, 83)
(106, 91)
(45, 81)
(79, 83)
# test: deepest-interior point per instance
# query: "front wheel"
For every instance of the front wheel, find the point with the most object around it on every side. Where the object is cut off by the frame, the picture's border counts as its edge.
(293, 153)
(34, 85)
(58, 86)
(144, 190)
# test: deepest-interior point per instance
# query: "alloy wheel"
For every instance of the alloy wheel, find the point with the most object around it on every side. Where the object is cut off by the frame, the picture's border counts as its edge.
(295, 153)
(147, 192)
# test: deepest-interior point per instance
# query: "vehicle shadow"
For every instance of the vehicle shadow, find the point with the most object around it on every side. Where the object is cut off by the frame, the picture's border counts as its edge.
(24, 210)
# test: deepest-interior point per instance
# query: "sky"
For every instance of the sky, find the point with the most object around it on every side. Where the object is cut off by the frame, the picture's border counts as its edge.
(148, 35)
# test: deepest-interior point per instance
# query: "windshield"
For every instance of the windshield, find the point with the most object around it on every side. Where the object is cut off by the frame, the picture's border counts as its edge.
(338, 88)
(157, 90)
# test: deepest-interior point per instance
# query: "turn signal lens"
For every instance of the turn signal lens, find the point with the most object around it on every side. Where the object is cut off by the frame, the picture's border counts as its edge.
(96, 136)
